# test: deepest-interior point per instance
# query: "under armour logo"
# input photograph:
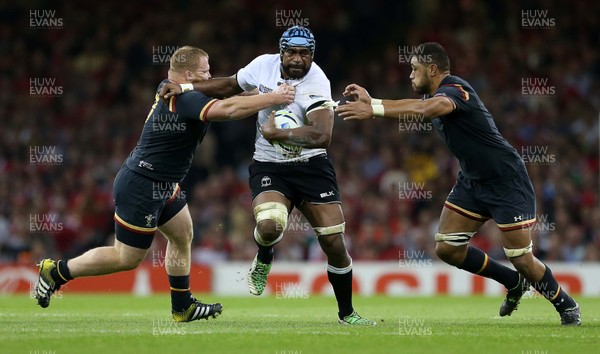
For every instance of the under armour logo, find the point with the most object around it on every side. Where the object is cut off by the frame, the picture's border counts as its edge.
(145, 164)
(149, 218)
(519, 218)
(265, 181)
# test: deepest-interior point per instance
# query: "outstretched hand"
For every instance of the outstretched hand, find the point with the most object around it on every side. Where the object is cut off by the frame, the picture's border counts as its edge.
(358, 105)
(355, 110)
(357, 93)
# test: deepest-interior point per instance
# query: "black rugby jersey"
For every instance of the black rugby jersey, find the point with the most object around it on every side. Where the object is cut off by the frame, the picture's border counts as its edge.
(472, 136)
(171, 134)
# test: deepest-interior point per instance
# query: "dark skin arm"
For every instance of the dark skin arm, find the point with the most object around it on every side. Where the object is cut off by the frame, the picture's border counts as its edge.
(315, 135)
(220, 87)
(361, 108)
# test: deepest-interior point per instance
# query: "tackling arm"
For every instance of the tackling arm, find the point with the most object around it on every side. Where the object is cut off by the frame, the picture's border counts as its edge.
(239, 107)
(429, 108)
(363, 106)
(219, 87)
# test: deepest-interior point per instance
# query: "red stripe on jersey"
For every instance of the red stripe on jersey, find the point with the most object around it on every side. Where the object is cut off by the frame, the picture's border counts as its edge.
(172, 107)
(206, 109)
(524, 225)
(465, 94)
(129, 228)
(463, 212)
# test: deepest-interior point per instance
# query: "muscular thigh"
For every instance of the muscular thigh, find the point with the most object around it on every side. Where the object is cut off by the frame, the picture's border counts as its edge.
(451, 221)
(178, 226)
(328, 219)
(453, 224)
(322, 215)
(132, 254)
(516, 239)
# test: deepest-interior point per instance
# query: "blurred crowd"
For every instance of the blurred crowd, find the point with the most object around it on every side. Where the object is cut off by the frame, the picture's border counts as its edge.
(61, 147)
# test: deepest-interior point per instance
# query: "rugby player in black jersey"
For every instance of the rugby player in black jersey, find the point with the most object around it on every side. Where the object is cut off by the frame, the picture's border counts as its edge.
(493, 182)
(146, 189)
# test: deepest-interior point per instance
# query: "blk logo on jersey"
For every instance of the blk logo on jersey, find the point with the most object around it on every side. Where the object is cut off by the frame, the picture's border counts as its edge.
(327, 194)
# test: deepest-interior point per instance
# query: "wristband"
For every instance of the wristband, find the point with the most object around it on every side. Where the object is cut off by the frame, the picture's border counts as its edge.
(378, 110)
(186, 87)
(376, 101)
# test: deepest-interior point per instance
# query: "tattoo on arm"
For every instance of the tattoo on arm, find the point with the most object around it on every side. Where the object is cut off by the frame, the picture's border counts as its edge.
(301, 140)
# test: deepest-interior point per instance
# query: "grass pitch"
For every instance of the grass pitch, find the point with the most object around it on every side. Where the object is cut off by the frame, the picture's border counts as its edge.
(112, 324)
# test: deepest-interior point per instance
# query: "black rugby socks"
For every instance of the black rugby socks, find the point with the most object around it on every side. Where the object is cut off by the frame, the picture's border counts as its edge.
(341, 281)
(181, 297)
(62, 275)
(478, 262)
(549, 288)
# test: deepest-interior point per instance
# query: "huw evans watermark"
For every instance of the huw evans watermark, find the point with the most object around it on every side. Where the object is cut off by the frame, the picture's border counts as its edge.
(414, 123)
(296, 223)
(414, 259)
(543, 224)
(161, 54)
(45, 19)
(167, 191)
(290, 18)
(45, 155)
(413, 327)
(44, 87)
(537, 155)
(406, 52)
(537, 87)
(290, 291)
(168, 123)
(45, 223)
(58, 294)
(537, 19)
(164, 327)
(414, 191)
(162, 259)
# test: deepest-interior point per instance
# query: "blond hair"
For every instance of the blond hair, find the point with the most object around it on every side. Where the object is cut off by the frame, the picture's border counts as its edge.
(186, 58)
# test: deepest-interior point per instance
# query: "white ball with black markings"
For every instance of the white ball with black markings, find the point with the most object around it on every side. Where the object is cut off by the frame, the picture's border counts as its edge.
(286, 119)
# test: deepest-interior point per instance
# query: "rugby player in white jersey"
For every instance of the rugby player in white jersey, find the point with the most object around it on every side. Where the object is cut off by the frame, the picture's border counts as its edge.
(305, 180)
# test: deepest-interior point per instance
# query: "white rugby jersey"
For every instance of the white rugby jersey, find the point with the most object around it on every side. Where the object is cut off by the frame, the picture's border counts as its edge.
(264, 73)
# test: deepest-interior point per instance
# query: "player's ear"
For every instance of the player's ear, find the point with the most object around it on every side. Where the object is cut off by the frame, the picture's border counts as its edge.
(188, 75)
(433, 70)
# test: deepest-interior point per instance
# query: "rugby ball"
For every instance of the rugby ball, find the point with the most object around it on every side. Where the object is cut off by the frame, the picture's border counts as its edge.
(286, 119)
